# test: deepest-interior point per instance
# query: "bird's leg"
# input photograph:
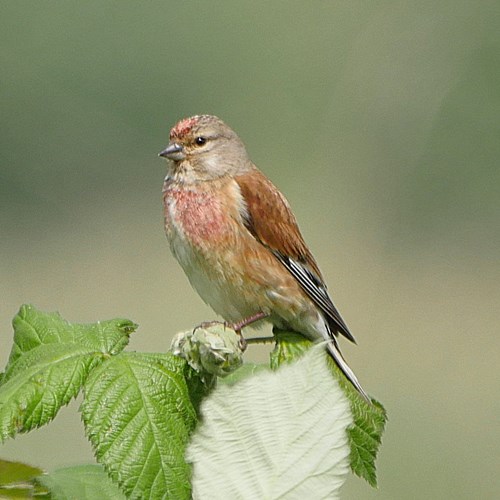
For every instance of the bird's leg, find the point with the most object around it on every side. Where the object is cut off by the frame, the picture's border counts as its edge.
(237, 327)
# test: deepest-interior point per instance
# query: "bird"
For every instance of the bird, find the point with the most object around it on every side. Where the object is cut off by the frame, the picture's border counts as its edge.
(236, 238)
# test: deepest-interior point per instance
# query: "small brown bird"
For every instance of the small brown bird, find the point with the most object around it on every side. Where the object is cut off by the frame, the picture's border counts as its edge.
(236, 238)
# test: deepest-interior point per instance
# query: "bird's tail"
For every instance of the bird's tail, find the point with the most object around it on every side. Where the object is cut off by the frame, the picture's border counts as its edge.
(335, 353)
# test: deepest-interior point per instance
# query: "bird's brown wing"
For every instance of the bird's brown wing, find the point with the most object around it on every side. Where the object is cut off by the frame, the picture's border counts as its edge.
(271, 221)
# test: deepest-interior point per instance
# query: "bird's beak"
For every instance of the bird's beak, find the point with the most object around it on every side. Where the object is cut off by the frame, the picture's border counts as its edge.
(174, 152)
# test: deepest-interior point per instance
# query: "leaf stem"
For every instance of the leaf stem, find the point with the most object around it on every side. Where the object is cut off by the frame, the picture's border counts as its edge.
(260, 340)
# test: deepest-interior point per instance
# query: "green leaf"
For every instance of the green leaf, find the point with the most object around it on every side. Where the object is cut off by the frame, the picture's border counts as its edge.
(278, 434)
(365, 434)
(138, 416)
(199, 385)
(49, 363)
(17, 480)
(33, 328)
(17, 472)
(85, 482)
(289, 347)
(245, 371)
(18, 492)
(365, 437)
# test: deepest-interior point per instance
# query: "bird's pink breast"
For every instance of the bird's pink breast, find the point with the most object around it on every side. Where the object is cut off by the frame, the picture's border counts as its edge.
(197, 214)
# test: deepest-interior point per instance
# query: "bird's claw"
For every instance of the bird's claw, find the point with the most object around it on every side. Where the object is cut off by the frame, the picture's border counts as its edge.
(207, 324)
(237, 327)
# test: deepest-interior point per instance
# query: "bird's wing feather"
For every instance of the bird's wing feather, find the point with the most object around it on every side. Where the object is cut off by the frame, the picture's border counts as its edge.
(270, 220)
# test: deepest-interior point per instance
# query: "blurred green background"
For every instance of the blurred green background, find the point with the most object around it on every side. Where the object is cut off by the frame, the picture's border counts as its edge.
(378, 120)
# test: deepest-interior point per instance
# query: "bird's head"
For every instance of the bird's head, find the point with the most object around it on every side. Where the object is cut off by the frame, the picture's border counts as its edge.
(203, 147)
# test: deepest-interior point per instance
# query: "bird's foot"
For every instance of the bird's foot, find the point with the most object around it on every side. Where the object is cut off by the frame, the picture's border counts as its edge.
(234, 326)
(208, 324)
(237, 327)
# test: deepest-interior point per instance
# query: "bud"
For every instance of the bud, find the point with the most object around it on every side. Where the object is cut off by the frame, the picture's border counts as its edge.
(215, 349)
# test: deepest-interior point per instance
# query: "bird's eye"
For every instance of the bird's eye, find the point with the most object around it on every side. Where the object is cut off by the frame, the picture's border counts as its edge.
(200, 141)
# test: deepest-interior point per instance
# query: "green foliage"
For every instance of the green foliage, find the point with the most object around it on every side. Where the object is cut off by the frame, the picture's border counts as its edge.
(140, 411)
(289, 347)
(81, 481)
(274, 435)
(17, 480)
(365, 437)
(365, 434)
(199, 385)
(245, 371)
(142, 430)
(49, 363)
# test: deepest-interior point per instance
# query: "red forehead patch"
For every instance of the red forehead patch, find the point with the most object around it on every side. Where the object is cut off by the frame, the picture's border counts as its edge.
(183, 127)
